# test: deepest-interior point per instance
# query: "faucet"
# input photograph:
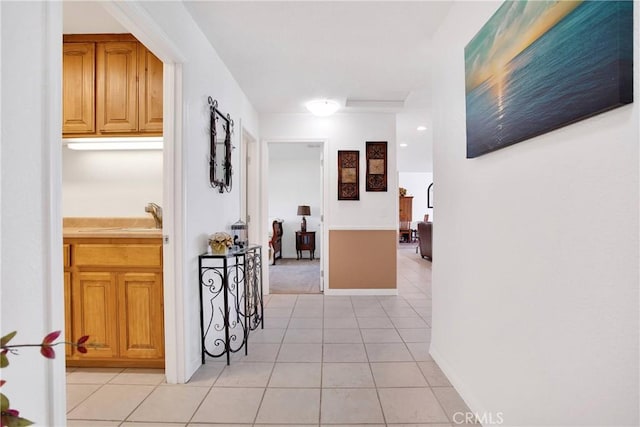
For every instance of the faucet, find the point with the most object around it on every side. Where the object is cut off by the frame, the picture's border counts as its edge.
(156, 211)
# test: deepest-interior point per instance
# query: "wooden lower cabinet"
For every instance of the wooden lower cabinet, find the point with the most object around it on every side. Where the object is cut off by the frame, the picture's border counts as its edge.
(120, 307)
(140, 314)
(67, 312)
(94, 302)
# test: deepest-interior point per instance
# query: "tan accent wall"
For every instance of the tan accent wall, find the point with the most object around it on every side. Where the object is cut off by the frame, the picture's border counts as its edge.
(362, 259)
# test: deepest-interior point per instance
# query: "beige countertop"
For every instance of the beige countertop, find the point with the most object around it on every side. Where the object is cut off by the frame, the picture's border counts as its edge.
(111, 232)
(111, 228)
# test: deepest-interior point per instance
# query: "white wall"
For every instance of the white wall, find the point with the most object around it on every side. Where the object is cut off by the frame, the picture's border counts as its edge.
(417, 156)
(535, 273)
(110, 183)
(205, 210)
(374, 210)
(31, 235)
(345, 132)
(416, 185)
(294, 179)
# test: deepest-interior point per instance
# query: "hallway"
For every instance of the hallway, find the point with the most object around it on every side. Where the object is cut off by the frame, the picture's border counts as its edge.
(320, 360)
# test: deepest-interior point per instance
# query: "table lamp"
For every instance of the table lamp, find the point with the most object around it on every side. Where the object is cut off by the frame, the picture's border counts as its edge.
(304, 210)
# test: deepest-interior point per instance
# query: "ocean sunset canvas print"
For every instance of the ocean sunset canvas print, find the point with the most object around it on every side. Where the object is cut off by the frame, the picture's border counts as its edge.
(536, 66)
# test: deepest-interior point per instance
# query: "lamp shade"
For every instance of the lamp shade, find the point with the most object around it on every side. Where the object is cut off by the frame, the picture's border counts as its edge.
(304, 210)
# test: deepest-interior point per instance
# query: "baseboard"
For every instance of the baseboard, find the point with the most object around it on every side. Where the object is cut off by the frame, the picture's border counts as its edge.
(363, 292)
(463, 390)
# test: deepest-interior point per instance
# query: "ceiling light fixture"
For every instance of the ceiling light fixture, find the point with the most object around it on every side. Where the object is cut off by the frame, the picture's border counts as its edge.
(322, 107)
(116, 143)
(404, 144)
(421, 128)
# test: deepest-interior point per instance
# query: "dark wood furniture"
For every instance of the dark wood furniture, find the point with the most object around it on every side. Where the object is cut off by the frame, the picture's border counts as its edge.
(306, 241)
(405, 218)
(276, 241)
(425, 232)
(405, 231)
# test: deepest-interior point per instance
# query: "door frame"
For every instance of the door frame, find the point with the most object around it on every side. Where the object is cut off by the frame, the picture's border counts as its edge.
(250, 188)
(324, 214)
(137, 21)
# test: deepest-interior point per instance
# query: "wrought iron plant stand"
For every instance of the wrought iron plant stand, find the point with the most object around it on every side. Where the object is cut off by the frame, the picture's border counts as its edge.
(231, 300)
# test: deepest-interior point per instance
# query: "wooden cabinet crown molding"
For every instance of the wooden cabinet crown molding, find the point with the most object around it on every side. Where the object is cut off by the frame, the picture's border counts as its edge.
(96, 38)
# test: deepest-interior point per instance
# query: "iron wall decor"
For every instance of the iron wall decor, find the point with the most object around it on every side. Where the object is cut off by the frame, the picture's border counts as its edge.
(219, 160)
(537, 66)
(348, 175)
(430, 196)
(376, 155)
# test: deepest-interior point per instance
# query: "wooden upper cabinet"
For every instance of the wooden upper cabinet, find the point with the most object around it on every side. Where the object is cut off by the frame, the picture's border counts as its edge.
(112, 86)
(149, 91)
(117, 87)
(78, 86)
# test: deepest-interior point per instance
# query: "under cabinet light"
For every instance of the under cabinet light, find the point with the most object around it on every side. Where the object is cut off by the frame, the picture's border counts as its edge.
(115, 143)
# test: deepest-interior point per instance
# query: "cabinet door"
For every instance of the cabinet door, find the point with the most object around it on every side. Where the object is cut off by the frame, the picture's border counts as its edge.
(94, 312)
(117, 89)
(140, 315)
(78, 88)
(406, 208)
(68, 335)
(149, 91)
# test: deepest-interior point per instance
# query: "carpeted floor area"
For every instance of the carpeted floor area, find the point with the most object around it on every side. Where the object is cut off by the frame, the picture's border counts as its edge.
(291, 276)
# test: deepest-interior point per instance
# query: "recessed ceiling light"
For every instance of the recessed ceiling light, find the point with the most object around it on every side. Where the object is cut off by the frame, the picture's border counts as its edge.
(404, 144)
(421, 128)
(322, 107)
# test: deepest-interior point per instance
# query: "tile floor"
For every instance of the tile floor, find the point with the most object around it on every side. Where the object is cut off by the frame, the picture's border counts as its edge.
(319, 361)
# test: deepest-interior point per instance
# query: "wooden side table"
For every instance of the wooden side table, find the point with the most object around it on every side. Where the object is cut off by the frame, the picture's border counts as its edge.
(305, 241)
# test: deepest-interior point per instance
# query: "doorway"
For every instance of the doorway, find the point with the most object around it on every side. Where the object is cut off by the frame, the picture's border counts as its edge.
(134, 21)
(295, 206)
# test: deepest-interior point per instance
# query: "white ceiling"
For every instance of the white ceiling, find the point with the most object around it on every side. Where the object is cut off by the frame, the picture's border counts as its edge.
(284, 53)
(81, 17)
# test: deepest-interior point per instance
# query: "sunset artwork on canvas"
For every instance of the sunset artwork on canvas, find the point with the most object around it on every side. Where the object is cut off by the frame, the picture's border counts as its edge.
(536, 66)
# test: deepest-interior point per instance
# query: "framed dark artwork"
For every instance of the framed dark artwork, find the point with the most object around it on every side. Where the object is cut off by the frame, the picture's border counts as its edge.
(537, 66)
(348, 175)
(376, 155)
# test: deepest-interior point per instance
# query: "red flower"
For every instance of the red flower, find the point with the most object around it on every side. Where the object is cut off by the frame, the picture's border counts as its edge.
(81, 342)
(45, 348)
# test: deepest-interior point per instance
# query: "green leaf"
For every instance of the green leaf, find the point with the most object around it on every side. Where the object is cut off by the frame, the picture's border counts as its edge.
(5, 339)
(4, 402)
(13, 421)
(4, 360)
(22, 422)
